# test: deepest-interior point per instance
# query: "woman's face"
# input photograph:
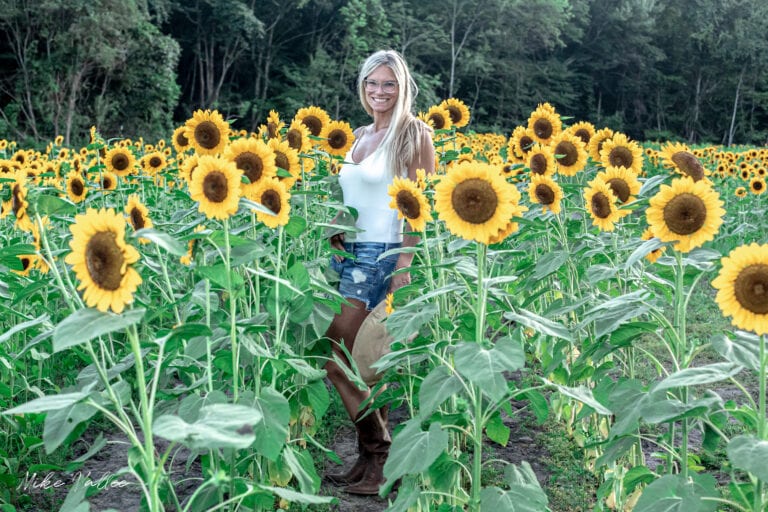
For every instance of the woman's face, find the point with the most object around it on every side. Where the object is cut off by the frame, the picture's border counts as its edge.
(381, 89)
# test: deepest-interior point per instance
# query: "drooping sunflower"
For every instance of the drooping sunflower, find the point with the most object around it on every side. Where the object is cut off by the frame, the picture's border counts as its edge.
(297, 136)
(570, 153)
(601, 205)
(686, 212)
(215, 186)
(410, 202)
(208, 132)
(272, 194)
(314, 118)
(457, 110)
(544, 124)
(337, 138)
(475, 201)
(583, 130)
(76, 188)
(679, 157)
(102, 260)
(520, 143)
(438, 117)
(274, 125)
(656, 253)
(596, 143)
(286, 158)
(138, 215)
(740, 192)
(108, 181)
(179, 139)
(541, 160)
(623, 183)
(757, 185)
(154, 162)
(619, 151)
(545, 191)
(254, 158)
(742, 287)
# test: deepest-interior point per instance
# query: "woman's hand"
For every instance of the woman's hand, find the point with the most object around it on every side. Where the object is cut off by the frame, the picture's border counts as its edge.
(337, 242)
(400, 279)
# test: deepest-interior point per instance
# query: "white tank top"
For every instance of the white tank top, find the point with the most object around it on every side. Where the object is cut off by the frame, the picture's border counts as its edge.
(364, 185)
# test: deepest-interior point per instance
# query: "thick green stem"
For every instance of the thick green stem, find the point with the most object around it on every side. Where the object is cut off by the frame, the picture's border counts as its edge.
(168, 285)
(681, 350)
(278, 313)
(477, 455)
(232, 314)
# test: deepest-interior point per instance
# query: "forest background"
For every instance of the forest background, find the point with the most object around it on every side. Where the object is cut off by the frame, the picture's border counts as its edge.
(688, 70)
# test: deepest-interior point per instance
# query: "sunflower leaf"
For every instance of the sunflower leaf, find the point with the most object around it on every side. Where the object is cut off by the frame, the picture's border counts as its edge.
(743, 349)
(88, 323)
(539, 323)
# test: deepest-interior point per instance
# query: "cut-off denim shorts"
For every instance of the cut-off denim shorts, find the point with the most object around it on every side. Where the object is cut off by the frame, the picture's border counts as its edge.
(365, 277)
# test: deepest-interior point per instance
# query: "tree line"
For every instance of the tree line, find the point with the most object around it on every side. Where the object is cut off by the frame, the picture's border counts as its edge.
(688, 70)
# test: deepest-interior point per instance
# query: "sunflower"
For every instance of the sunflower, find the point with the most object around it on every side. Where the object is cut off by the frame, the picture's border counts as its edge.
(297, 137)
(17, 203)
(76, 188)
(215, 186)
(138, 215)
(686, 212)
(188, 167)
(313, 118)
(596, 143)
(619, 151)
(583, 130)
(742, 287)
(187, 258)
(570, 154)
(154, 162)
(510, 228)
(475, 201)
(389, 306)
(740, 192)
(208, 132)
(286, 158)
(272, 194)
(40, 262)
(108, 181)
(255, 160)
(457, 111)
(757, 185)
(520, 143)
(546, 192)
(28, 262)
(541, 160)
(438, 117)
(179, 139)
(601, 205)
(410, 203)
(544, 124)
(274, 125)
(102, 260)
(678, 156)
(337, 138)
(656, 253)
(623, 182)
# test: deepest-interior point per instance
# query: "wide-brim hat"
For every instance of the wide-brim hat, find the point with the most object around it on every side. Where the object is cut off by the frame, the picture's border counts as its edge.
(371, 343)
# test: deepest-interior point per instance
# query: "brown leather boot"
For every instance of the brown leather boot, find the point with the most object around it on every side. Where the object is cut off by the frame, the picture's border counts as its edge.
(357, 470)
(375, 441)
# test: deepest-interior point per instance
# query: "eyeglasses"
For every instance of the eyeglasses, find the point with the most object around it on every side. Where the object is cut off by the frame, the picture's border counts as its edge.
(388, 86)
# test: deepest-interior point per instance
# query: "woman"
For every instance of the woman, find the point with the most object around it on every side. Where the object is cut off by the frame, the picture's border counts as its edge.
(395, 144)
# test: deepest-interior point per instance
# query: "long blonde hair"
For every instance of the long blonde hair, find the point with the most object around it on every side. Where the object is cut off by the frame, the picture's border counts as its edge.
(402, 141)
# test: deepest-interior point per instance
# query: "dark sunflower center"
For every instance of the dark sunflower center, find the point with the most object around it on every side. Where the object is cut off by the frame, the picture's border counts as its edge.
(106, 183)
(474, 200)
(272, 130)
(689, 164)
(620, 157)
(77, 187)
(155, 161)
(751, 288)
(408, 204)
(601, 205)
(454, 113)
(526, 143)
(104, 260)
(137, 219)
(570, 154)
(620, 189)
(685, 214)
(544, 194)
(207, 134)
(294, 139)
(314, 124)
(543, 128)
(120, 162)
(281, 160)
(438, 121)
(271, 199)
(251, 165)
(26, 261)
(757, 185)
(337, 139)
(583, 134)
(539, 164)
(181, 140)
(215, 186)
(18, 199)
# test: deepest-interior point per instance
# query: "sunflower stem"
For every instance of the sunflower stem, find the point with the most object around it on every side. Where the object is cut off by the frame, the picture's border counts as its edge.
(208, 355)
(477, 434)
(52, 264)
(278, 266)
(232, 314)
(681, 349)
(167, 280)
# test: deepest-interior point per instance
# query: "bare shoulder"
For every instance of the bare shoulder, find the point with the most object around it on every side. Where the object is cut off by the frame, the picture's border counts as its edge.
(360, 130)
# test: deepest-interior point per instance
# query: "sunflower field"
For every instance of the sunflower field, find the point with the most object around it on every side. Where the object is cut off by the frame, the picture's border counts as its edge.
(176, 292)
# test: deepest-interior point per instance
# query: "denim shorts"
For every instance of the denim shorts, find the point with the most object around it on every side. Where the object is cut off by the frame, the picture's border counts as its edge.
(365, 277)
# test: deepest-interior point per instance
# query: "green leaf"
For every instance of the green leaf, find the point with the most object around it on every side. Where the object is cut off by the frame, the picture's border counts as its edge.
(54, 205)
(750, 454)
(296, 225)
(272, 432)
(539, 405)
(645, 249)
(437, 387)
(413, 451)
(674, 493)
(317, 397)
(524, 494)
(539, 323)
(402, 323)
(496, 430)
(743, 349)
(49, 403)
(61, 422)
(584, 395)
(699, 375)
(508, 355)
(42, 319)
(218, 274)
(298, 497)
(303, 469)
(477, 365)
(85, 324)
(548, 263)
(218, 426)
(164, 240)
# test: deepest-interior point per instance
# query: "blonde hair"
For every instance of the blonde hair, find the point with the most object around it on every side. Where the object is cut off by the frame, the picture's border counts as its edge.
(402, 141)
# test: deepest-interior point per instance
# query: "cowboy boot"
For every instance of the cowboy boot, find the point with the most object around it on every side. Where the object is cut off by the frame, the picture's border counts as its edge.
(375, 441)
(357, 470)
